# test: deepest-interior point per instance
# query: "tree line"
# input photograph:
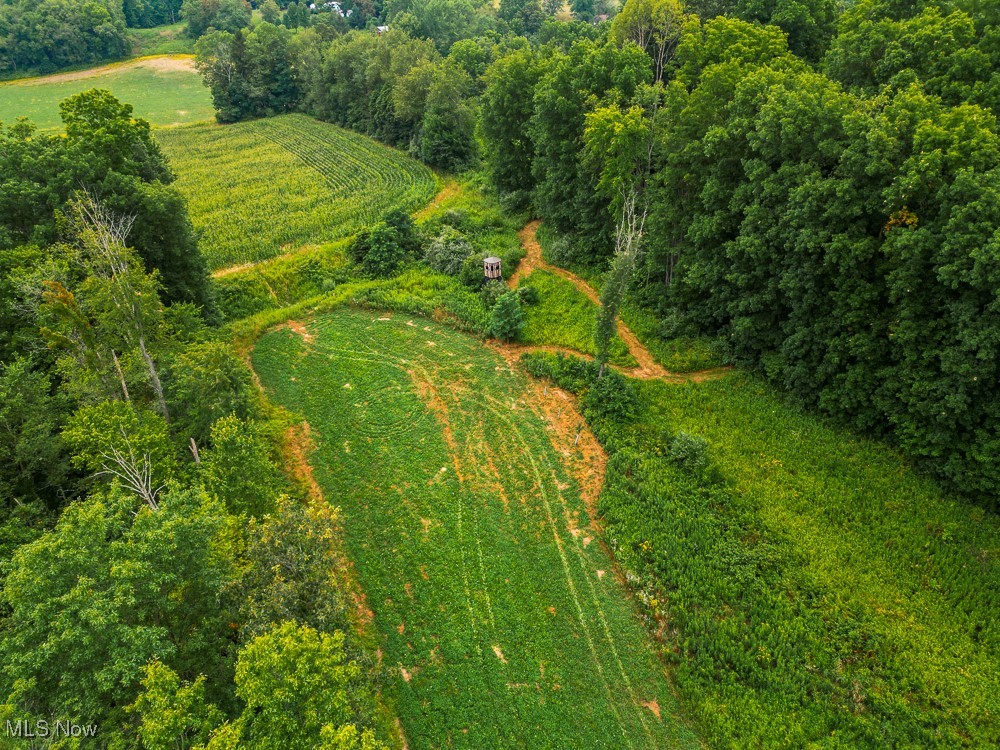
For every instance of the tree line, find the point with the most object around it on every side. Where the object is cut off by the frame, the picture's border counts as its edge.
(819, 191)
(162, 577)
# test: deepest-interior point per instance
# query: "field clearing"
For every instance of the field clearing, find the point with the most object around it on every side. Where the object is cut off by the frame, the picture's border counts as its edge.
(565, 317)
(498, 608)
(259, 189)
(825, 590)
(166, 90)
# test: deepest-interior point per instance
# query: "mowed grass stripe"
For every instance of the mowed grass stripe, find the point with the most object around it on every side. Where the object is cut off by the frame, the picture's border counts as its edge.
(258, 189)
(460, 517)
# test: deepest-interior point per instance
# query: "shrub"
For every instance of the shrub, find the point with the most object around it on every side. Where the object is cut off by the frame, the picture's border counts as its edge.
(386, 254)
(491, 293)
(528, 295)
(448, 251)
(471, 273)
(407, 235)
(690, 453)
(506, 320)
(610, 397)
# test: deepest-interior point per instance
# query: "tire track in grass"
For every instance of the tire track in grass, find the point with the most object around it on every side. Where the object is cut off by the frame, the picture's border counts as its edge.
(505, 716)
(585, 564)
(500, 411)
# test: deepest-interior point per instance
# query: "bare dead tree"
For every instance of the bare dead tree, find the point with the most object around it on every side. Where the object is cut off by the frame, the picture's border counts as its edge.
(134, 471)
(104, 233)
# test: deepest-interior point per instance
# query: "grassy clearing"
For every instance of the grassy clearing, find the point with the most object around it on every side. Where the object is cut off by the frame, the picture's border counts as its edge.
(565, 317)
(821, 594)
(678, 354)
(162, 40)
(500, 615)
(165, 90)
(259, 189)
(314, 275)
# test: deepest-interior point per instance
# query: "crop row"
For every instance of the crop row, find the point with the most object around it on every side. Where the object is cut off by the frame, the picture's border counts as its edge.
(257, 190)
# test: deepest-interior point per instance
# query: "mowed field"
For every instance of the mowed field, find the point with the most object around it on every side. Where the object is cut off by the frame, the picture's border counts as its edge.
(259, 189)
(501, 619)
(166, 90)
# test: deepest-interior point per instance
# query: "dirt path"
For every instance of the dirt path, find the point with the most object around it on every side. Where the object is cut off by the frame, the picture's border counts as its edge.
(648, 368)
(158, 63)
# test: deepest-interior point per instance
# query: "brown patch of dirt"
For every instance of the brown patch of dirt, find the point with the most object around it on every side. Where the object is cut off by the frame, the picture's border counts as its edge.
(499, 653)
(231, 269)
(158, 63)
(652, 706)
(581, 453)
(448, 190)
(297, 326)
(298, 444)
(647, 368)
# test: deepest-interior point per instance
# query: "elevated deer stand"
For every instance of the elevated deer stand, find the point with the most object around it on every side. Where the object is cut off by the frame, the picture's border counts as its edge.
(491, 269)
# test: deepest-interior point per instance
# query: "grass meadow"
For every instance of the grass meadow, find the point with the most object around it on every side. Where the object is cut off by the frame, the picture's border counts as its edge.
(259, 189)
(162, 40)
(820, 593)
(503, 624)
(165, 90)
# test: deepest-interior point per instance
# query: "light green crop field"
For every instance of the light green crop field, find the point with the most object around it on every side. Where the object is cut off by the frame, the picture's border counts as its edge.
(258, 189)
(497, 606)
(166, 90)
(826, 595)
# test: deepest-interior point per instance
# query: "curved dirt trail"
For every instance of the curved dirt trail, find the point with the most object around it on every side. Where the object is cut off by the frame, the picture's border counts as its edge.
(647, 369)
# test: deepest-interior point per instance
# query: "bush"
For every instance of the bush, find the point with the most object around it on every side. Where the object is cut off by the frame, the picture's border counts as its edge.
(386, 253)
(407, 235)
(506, 320)
(359, 246)
(570, 373)
(448, 251)
(471, 273)
(491, 293)
(610, 397)
(690, 453)
(528, 295)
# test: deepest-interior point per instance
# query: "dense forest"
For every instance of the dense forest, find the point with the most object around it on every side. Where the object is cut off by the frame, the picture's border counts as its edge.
(821, 195)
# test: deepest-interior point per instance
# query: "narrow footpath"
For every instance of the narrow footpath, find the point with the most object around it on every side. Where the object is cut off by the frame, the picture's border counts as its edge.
(648, 368)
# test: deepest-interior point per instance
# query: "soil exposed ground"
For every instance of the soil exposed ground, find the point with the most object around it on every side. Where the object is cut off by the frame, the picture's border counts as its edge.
(648, 368)
(467, 496)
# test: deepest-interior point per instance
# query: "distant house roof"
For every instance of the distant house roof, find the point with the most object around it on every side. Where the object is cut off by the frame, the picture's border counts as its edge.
(381, 29)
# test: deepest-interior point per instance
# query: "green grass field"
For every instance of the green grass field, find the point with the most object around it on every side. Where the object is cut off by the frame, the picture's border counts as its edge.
(162, 40)
(501, 619)
(823, 594)
(565, 317)
(165, 90)
(259, 189)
